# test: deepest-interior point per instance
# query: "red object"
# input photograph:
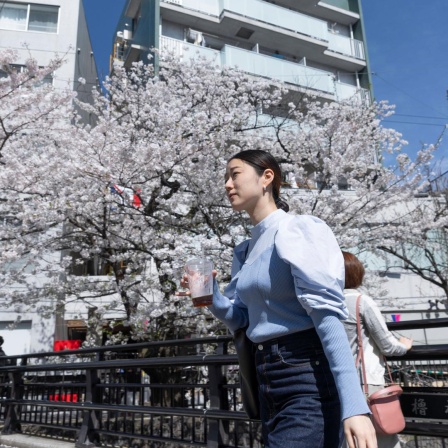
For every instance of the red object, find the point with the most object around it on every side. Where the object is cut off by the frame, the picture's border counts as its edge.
(396, 317)
(71, 398)
(67, 344)
(136, 199)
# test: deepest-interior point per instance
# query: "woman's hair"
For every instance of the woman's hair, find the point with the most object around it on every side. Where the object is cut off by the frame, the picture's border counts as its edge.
(1, 340)
(261, 161)
(354, 271)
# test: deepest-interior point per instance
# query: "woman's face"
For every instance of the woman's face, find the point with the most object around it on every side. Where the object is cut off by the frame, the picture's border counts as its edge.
(243, 185)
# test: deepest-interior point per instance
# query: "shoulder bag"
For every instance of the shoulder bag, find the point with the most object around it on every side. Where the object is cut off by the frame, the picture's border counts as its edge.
(387, 416)
(248, 373)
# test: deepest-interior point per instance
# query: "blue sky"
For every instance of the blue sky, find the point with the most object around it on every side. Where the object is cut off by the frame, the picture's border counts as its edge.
(407, 47)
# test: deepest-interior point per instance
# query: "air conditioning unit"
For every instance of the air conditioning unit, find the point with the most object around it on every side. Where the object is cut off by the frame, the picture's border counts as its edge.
(127, 34)
(120, 34)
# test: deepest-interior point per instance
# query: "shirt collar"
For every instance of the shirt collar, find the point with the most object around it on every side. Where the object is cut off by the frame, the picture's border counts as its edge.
(270, 220)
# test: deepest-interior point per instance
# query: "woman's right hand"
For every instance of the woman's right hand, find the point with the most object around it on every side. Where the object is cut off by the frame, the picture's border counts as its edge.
(184, 284)
(406, 342)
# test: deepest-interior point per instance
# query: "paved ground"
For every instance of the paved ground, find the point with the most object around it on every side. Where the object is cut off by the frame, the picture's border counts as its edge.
(23, 441)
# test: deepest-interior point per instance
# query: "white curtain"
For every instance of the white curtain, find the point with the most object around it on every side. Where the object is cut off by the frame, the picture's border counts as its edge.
(13, 16)
(43, 18)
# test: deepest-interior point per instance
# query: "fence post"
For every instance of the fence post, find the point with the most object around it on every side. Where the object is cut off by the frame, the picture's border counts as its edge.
(218, 430)
(88, 436)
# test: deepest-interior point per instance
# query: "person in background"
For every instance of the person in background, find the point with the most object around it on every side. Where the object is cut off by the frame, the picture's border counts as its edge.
(2, 353)
(278, 55)
(287, 290)
(377, 340)
(3, 375)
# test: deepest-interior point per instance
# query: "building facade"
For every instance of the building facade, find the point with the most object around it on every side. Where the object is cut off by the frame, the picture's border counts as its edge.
(48, 28)
(315, 47)
(41, 30)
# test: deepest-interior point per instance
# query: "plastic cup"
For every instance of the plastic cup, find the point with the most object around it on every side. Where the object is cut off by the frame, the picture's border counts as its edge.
(200, 281)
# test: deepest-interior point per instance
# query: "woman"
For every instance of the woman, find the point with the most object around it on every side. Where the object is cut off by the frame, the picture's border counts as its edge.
(286, 288)
(377, 340)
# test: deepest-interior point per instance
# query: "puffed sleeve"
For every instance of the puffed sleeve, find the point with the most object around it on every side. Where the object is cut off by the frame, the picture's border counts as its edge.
(317, 265)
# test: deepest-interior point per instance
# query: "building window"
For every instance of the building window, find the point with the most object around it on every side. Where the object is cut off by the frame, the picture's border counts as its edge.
(16, 68)
(90, 267)
(29, 17)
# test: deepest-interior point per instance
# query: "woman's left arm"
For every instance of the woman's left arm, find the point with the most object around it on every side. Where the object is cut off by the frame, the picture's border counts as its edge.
(317, 266)
(354, 409)
(337, 350)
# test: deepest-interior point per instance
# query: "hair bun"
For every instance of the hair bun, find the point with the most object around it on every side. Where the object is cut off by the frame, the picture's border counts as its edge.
(281, 204)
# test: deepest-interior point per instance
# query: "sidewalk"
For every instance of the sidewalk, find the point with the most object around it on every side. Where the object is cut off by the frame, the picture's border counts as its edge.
(24, 441)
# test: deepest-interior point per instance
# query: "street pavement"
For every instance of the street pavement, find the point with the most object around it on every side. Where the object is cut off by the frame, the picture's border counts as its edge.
(24, 441)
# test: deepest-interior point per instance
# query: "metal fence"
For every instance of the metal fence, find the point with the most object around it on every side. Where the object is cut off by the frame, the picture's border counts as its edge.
(182, 392)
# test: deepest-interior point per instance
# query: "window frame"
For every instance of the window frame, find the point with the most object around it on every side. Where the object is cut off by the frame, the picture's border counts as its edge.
(21, 68)
(28, 13)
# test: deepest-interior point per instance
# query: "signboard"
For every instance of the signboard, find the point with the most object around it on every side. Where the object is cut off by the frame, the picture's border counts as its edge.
(425, 405)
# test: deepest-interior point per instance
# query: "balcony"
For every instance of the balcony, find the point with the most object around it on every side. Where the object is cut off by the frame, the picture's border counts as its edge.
(309, 79)
(210, 7)
(346, 91)
(260, 11)
(346, 46)
(271, 25)
(278, 16)
(271, 67)
(322, 9)
(188, 52)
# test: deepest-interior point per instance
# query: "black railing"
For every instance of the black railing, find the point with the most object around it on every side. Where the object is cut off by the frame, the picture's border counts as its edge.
(179, 392)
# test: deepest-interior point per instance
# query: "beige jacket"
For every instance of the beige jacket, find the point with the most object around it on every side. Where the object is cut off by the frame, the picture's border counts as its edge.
(376, 338)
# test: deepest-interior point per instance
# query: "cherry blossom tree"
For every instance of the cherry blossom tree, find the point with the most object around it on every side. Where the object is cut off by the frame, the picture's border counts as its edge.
(135, 196)
(422, 247)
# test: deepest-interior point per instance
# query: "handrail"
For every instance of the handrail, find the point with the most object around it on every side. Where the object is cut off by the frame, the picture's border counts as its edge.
(412, 324)
(102, 389)
(191, 360)
(128, 347)
(435, 352)
(393, 326)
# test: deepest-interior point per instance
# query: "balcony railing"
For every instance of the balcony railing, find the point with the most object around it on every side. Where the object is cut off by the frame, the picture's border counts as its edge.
(188, 51)
(271, 67)
(278, 16)
(308, 78)
(254, 63)
(210, 7)
(346, 91)
(263, 12)
(346, 46)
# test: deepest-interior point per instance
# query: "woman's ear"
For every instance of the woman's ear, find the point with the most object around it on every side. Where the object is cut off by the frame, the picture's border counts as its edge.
(268, 177)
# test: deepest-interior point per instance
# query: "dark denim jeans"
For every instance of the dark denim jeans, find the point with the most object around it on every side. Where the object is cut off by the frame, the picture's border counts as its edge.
(298, 397)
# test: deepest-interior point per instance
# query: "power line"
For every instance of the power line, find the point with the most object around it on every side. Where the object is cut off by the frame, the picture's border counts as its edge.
(406, 93)
(414, 122)
(420, 116)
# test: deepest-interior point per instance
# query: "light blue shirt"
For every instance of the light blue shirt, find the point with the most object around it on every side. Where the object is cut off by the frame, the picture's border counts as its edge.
(288, 278)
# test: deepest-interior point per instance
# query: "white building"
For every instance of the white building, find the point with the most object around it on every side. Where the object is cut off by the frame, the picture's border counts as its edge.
(41, 30)
(315, 46)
